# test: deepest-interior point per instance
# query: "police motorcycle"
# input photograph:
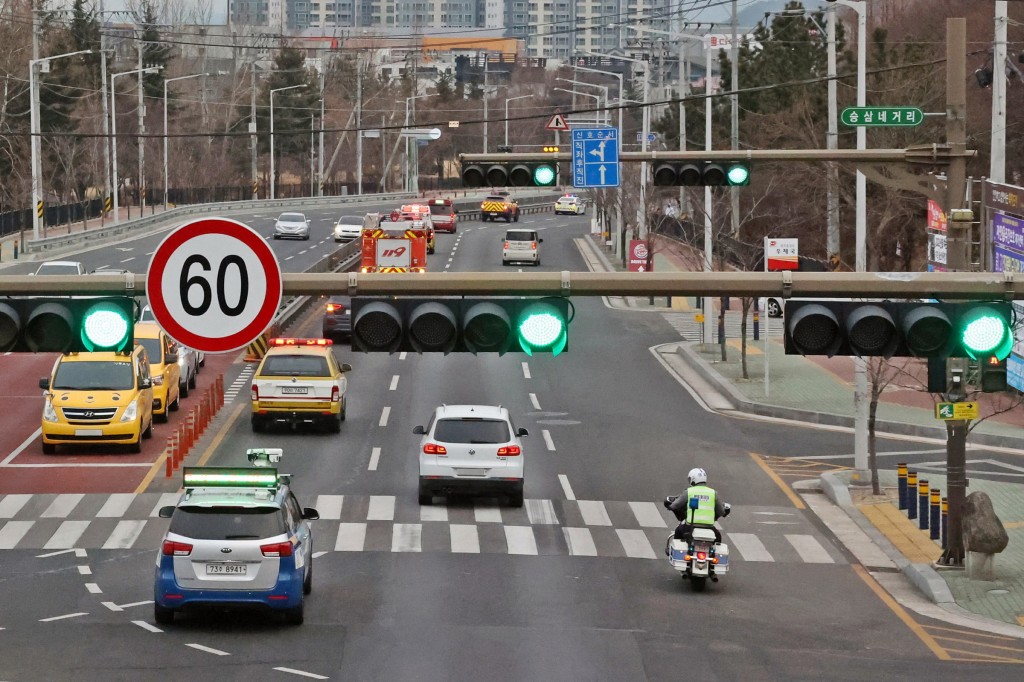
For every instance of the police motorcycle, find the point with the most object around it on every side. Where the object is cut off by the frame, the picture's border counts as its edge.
(702, 558)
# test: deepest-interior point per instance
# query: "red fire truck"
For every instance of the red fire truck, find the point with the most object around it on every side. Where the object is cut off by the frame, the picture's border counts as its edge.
(392, 244)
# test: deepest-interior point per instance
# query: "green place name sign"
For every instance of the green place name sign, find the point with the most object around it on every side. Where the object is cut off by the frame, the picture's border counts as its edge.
(882, 116)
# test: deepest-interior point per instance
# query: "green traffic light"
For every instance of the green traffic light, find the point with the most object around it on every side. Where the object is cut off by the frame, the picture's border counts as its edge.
(738, 175)
(105, 327)
(986, 332)
(542, 328)
(544, 175)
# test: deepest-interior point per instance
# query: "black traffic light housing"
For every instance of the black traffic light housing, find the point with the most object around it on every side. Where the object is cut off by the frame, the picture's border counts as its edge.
(898, 329)
(64, 324)
(460, 325)
(514, 174)
(992, 373)
(702, 174)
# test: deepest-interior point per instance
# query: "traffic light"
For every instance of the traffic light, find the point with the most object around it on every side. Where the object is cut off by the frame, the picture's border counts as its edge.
(67, 325)
(703, 174)
(899, 329)
(516, 174)
(552, 149)
(460, 325)
(993, 374)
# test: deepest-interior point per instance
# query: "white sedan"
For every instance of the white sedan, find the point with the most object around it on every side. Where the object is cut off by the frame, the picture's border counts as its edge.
(570, 206)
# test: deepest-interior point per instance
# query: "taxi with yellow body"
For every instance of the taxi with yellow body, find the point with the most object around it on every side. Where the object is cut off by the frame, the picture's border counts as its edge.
(163, 367)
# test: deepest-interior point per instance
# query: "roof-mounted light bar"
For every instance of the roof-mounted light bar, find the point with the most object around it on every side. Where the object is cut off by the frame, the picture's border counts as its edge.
(229, 477)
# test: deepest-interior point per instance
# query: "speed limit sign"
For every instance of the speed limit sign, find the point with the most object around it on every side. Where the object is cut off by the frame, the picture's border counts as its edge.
(214, 285)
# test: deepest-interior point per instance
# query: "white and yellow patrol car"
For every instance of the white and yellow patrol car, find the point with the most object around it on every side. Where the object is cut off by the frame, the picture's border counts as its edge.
(299, 381)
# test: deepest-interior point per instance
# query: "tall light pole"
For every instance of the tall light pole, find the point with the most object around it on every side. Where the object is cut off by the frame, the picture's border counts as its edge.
(273, 180)
(412, 175)
(37, 165)
(507, 100)
(997, 164)
(166, 81)
(113, 130)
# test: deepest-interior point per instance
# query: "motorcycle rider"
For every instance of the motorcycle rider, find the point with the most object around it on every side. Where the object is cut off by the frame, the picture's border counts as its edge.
(706, 509)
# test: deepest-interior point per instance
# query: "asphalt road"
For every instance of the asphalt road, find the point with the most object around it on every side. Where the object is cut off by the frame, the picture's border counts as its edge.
(572, 586)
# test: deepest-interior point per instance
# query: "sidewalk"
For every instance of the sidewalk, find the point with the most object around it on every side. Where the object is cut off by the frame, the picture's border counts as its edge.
(820, 390)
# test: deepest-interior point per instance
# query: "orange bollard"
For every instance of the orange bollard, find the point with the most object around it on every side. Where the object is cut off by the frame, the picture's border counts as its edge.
(220, 389)
(167, 470)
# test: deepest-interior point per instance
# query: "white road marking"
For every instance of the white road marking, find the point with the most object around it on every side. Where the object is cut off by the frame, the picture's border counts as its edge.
(93, 588)
(566, 488)
(12, 504)
(550, 444)
(62, 506)
(329, 506)
(541, 512)
(533, 401)
(351, 537)
(374, 459)
(465, 539)
(401, 356)
(112, 606)
(433, 513)
(382, 508)
(384, 416)
(809, 549)
(128, 259)
(84, 570)
(520, 540)
(302, 673)
(66, 535)
(635, 543)
(594, 513)
(66, 615)
(647, 515)
(406, 537)
(749, 547)
(526, 370)
(147, 626)
(209, 650)
(580, 541)
(116, 505)
(487, 514)
(24, 444)
(125, 534)
(394, 383)
(166, 500)
(78, 552)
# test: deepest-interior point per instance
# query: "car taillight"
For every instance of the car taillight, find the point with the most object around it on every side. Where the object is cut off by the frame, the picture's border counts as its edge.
(335, 307)
(533, 245)
(172, 548)
(434, 449)
(509, 451)
(506, 245)
(255, 392)
(335, 394)
(702, 556)
(278, 549)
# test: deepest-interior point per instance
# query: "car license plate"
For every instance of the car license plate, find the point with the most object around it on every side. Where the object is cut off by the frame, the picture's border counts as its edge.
(226, 569)
(472, 472)
(293, 390)
(88, 432)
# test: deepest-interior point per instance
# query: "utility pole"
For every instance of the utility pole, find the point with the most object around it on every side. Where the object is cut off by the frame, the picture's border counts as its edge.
(142, 132)
(734, 101)
(320, 166)
(485, 103)
(997, 164)
(832, 142)
(684, 92)
(706, 308)
(960, 220)
(359, 124)
(252, 130)
(106, 118)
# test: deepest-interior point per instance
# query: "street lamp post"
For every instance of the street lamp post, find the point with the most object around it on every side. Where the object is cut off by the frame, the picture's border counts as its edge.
(273, 179)
(604, 89)
(113, 130)
(412, 175)
(34, 124)
(507, 100)
(169, 80)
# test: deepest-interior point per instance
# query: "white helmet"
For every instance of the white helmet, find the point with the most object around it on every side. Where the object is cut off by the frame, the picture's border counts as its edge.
(697, 476)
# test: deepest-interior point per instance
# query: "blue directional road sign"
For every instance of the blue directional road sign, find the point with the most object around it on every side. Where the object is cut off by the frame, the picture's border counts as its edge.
(595, 157)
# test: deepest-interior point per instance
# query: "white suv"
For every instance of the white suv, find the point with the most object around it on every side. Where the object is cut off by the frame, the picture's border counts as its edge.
(471, 448)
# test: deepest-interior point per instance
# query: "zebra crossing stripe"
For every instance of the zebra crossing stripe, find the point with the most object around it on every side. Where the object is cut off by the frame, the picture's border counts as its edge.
(635, 543)
(67, 535)
(520, 540)
(809, 549)
(329, 506)
(647, 515)
(382, 508)
(116, 505)
(465, 539)
(541, 512)
(749, 547)
(432, 513)
(487, 514)
(125, 534)
(407, 537)
(166, 500)
(62, 506)
(580, 541)
(12, 504)
(12, 533)
(351, 537)
(594, 513)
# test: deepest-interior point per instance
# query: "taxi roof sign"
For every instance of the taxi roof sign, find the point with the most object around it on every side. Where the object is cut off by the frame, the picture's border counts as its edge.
(289, 341)
(229, 477)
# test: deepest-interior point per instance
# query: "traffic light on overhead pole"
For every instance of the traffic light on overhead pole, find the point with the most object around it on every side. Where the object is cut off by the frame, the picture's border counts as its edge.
(67, 325)
(993, 374)
(899, 329)
(514, 174)
(702, 174)
(461, 325)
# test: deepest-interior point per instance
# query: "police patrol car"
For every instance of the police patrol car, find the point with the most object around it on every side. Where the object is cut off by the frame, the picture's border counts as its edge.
(237, 536)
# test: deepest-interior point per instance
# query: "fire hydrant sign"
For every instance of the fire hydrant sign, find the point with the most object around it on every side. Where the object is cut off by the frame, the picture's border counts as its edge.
(638, 256)
(780, 254)
(214, 285)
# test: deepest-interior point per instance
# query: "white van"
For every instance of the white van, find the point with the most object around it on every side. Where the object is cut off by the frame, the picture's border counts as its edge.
(522, 246)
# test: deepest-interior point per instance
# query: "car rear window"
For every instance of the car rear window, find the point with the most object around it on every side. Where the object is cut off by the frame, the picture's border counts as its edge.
(471, 431)
(228, 523)
(96, 376)
(519, 236)
(295, 366)
(440, 209)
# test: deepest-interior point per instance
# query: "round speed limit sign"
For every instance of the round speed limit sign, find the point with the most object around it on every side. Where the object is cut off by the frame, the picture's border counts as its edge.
(214, 285)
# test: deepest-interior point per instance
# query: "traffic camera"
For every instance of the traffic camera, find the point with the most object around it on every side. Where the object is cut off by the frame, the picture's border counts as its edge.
(460, 325)
(704, 174)
(67, 325)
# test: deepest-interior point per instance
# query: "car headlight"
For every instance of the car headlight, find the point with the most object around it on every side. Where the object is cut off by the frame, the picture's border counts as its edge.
(49, 414)
(131, 412)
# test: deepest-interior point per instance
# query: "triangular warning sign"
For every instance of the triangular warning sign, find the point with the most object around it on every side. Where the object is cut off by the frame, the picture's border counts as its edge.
(557, 122)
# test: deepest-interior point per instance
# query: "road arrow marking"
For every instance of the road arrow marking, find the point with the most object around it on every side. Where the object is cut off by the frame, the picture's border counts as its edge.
(78, 553)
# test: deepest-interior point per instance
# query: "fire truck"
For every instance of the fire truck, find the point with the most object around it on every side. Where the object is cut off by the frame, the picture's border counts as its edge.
(393, 244)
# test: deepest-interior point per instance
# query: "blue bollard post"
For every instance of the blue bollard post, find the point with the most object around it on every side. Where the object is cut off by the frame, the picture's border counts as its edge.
(922, 504)
(936, 509)
(911, 491)
(901, 477)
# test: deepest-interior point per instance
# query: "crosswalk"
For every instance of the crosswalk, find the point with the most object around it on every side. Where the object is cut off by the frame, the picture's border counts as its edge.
(388, 523)
(686, 324)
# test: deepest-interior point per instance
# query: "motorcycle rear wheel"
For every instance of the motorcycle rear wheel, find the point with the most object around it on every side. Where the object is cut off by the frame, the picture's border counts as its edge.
(698, 583)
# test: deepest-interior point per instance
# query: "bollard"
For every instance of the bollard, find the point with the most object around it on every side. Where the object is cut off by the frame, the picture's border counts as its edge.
(936, 510)
(922, 504)
(901, 476)
(945, 516)
(911, 491)
(15, 250)
(169, 461)
(757, 326)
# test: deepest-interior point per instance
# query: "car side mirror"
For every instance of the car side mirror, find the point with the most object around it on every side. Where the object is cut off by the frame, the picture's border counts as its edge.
(172, 357)
(146, 383)
(419, 430)
(44, 383)
(522, 432)
(540, 241)
(166, 512)
(345, 367)
(310, 513)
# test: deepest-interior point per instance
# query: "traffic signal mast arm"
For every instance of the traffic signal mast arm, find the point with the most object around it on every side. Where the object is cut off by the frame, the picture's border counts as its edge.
(843, 285)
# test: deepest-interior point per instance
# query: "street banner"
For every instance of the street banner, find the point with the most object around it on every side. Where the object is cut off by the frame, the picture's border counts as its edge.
(781, 254)
(936, 216)
(1007, 261)
(638, 256)
(1008, 231)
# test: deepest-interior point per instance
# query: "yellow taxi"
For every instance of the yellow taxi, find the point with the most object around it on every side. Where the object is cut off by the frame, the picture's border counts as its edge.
(163, 367)
(98, 398)
(299, 381)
